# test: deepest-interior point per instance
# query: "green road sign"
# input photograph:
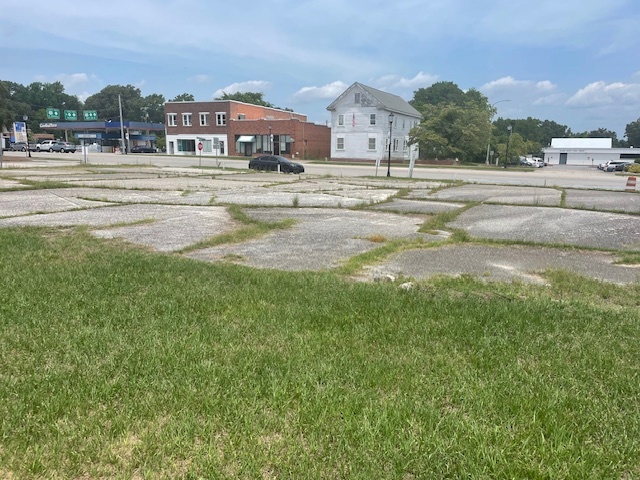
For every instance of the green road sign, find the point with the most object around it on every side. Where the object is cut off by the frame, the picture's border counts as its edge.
(70, 115)
(89, 115)
(53, 113)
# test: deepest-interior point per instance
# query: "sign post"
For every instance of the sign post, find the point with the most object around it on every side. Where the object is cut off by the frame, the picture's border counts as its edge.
(200, 149)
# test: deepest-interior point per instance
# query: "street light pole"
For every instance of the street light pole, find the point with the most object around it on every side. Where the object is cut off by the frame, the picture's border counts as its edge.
(26, 134)
(490, 127)
(391, 115)
(124, 145)
(506, 160)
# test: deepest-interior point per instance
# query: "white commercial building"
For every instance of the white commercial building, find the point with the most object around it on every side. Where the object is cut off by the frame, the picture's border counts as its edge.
(586, 151)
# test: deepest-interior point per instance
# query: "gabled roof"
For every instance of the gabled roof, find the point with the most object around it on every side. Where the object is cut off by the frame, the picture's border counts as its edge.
(387, 101)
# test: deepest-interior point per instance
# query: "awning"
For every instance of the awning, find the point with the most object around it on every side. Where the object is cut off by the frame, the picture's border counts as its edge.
(246, 138)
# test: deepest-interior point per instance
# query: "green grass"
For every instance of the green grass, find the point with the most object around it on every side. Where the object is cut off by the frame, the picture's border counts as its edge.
(120, 363)
(250, 228)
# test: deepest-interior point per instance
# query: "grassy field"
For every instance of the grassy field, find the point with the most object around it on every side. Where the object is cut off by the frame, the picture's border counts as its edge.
(120, 363)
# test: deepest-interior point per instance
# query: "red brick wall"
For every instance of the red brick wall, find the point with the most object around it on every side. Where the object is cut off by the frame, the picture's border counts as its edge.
(311, 140)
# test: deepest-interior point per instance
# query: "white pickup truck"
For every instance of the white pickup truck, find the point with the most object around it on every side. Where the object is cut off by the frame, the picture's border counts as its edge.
(45, 145)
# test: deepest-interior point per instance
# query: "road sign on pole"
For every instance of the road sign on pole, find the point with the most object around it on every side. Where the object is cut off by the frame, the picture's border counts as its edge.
(89, 115)
(53, 113)
(200, 146)
(71, 115)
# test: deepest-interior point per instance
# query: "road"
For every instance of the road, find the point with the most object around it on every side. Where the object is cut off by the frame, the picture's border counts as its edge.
(553, 176)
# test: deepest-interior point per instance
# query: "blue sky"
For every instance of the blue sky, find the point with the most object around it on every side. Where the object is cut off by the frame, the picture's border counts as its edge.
(576, 62)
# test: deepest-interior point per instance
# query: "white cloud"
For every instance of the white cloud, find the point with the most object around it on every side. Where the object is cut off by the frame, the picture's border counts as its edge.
(523, 92)
(601, 94)
(249, 86)
(328, 91)
(74, 83)
(389, 82)
(553, 99)
(201, 78)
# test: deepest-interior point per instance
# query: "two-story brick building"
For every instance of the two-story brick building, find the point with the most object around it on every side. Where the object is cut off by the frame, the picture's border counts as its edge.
(232, 128)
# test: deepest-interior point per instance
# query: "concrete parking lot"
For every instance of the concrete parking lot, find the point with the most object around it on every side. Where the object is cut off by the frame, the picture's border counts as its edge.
(170, 209)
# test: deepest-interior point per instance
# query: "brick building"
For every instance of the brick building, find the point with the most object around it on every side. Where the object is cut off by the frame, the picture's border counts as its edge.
(231, 128)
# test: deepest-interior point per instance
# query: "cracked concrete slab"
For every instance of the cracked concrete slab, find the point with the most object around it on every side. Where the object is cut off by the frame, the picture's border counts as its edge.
(5, 184)
(509, 263)
(26, 202)
(500, 194)
(267, 197)
(417, 206)
(168, 183)
(185, 227)
(599, 200)
(321, 239)
(552, 225)
(139, 196)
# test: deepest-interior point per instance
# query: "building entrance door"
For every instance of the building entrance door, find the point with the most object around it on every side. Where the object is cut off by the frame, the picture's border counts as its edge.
(563, 159)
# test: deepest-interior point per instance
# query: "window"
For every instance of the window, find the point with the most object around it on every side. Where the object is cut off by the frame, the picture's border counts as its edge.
(171, 120)
(340, 143)
(356, 97)
(241, 116)
(204, 119)
(372, 143)
(403, 123)
(372, 119)
(405, 147)
(395, 144)
(186, 119)
(341, 120)
(221, 119)
(186, 145)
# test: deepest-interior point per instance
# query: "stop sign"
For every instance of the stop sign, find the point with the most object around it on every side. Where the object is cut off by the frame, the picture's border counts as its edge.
(199, 145)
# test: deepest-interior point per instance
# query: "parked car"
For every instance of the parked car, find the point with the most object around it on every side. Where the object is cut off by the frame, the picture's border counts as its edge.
(615, 166)
(272, 162)
(143, 149)
(19, 147)
(62, 147)
(534, 162)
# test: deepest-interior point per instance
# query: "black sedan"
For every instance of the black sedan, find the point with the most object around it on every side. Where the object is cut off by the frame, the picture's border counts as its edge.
(272, 162)
(143, 149)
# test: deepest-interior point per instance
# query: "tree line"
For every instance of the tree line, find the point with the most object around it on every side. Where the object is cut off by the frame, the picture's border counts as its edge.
(458, 124)
(454, 124)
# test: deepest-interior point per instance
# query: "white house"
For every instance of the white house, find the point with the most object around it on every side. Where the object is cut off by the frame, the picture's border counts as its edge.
(363, 118)
(586, 151)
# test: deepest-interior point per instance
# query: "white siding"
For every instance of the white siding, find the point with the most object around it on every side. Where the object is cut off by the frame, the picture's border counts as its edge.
(357, 129)
(586, 143)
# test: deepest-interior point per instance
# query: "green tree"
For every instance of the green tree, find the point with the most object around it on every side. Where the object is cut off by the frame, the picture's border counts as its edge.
(153, 108)
(440, 93)
(452, 131)
(532, 130)
(184, 97)
(454, 124)
(632, 132)
(105, 102)
(254, 98)
(6, 111)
